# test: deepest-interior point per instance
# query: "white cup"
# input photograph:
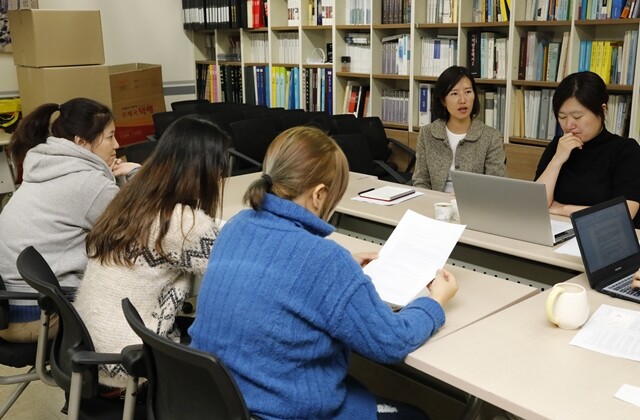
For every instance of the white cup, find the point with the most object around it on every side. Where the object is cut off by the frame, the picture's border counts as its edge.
(567, 306)
(455, 216)
(443, 211)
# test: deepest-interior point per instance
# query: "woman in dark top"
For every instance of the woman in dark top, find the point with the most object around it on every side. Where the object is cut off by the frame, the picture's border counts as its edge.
(588, 164)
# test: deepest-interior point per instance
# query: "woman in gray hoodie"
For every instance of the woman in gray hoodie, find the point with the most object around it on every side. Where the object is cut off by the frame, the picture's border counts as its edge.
(69, 168)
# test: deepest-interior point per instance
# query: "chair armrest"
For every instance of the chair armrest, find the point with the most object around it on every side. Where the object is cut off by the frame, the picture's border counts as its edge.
(6, 295)
(133, 360)
(246, 158)
(408, 151)
(402, 146)
(81, 359)
(396, 176)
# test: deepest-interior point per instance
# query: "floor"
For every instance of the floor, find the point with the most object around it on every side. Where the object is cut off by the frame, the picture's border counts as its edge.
(38, 401)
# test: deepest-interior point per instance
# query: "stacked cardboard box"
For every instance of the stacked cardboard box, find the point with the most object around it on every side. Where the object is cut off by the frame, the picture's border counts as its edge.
(59, 55)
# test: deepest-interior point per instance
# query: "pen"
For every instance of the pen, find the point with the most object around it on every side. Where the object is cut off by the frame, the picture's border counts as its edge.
(366, 191)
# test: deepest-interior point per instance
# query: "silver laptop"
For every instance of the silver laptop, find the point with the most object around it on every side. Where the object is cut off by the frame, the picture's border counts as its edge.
(609, 247)
(507, 207)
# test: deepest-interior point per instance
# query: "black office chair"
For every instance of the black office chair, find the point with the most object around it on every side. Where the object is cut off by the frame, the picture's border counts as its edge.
(316, 119)
(356, 149)
(379, 143)
(17, 355)
(191, 106)
(251, 139)
(138, 152)
(184, 383)
(162, 120)
(73, 359)
(344, 124)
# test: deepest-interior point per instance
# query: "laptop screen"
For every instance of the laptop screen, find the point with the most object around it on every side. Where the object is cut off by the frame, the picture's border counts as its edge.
(606, 237)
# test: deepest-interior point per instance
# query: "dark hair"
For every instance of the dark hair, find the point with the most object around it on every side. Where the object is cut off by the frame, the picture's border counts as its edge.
(445, 83)
(187, 167)
(80, 117)
(298, 159)
(587, 87)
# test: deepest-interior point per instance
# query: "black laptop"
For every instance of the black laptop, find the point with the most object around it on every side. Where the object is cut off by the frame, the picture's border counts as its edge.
(609, 247)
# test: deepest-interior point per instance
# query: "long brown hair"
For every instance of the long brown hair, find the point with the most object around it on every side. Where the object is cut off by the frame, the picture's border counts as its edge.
(299, 159)
(187, 167)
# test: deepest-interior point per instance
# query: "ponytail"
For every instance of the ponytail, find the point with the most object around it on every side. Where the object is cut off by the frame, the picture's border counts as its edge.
(31, 131)
(254, 196)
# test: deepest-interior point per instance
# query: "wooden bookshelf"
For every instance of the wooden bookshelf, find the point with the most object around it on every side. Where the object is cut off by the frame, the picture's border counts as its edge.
(420, 25)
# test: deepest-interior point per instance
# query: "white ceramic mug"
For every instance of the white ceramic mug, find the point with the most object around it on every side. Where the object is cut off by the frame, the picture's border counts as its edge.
(567, 306)
(443, 211)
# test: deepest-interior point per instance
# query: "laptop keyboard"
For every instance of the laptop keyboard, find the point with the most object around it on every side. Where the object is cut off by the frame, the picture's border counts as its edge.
(623, 287)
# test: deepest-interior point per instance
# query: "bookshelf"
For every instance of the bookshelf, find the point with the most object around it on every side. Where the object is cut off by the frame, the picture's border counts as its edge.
(355, 28)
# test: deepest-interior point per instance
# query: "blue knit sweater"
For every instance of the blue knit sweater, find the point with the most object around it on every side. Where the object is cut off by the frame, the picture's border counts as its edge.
(283, 307)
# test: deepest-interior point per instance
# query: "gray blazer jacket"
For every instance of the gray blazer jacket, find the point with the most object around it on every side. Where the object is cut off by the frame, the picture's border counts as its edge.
(481, 151)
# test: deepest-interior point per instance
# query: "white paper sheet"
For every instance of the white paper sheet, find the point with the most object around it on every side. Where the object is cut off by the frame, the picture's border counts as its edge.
(408, 261)
(570, 247)
(388, 203)
(630, 394)
(613, 331)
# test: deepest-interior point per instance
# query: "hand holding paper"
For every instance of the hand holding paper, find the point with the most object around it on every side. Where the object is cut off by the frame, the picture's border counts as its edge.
(418, 247)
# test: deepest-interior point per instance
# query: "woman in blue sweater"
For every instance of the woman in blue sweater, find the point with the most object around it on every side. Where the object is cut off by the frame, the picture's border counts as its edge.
(283, 307)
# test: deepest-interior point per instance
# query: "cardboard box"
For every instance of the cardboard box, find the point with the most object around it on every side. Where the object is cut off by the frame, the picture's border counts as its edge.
(59, 84)
(50, 38)
(136, 94)
(22, 4)
(133, 91)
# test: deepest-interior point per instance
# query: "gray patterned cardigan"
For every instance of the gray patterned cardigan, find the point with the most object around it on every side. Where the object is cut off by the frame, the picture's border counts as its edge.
(481, 151)
(156, 286)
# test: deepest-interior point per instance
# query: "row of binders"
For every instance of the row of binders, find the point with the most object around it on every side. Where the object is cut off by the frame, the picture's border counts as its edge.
(219, 83)
(612, 9)
(214, 14)
(491, 10)
(614, 61)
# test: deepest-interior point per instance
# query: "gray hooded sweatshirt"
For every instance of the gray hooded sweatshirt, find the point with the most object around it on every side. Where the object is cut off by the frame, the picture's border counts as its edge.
(65, 189)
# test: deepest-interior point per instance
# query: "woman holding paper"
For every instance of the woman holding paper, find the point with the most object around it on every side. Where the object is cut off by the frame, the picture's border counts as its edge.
(456, 139)
(588, 164)
(283, 307)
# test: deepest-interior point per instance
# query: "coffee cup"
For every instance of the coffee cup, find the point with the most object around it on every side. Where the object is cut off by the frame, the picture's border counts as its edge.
(443, 211)
(567, 306)
(455, 216)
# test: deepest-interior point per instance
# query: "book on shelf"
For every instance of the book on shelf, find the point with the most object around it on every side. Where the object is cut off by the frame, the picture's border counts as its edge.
(489, 108)
(358, 12)
(545, 105)
(424, 107)
(293, 12)
(327, 12)
(562, 60)
(363, 94)
(473, 53)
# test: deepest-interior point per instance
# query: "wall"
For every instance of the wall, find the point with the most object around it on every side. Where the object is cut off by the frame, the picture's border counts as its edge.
(148, 31)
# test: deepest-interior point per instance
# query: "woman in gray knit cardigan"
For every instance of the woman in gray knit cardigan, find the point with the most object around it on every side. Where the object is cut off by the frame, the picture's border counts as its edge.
(456, 133)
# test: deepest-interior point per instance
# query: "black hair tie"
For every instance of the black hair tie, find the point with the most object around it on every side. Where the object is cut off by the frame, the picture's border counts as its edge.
(268, 181)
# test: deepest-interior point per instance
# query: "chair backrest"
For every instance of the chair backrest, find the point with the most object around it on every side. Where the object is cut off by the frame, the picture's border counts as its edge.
(252, 137)
(357, 152)
(191, 106)
(162, 120)
(373, 129)
(138, 152)
(345, 124)
(315, 119)
(184, 383)
(72, 335)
